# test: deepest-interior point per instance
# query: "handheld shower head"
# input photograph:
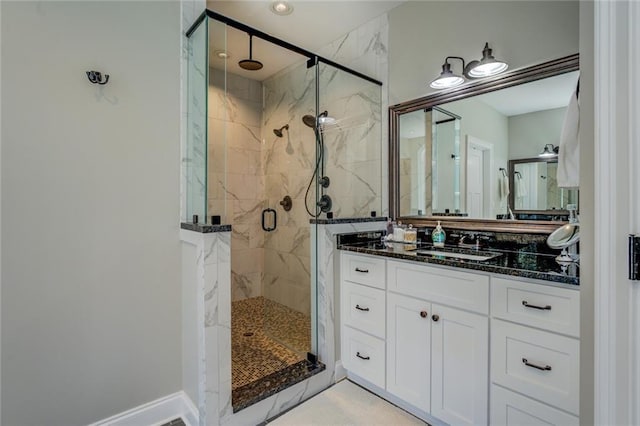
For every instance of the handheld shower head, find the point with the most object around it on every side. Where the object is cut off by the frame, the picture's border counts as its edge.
(309, 120)
(279, 132)
(313, 122)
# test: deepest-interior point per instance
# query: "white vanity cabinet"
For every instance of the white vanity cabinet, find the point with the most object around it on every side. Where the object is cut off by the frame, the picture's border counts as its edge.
(461, 347)
(535, 362)
(438, 355)
(363, 302)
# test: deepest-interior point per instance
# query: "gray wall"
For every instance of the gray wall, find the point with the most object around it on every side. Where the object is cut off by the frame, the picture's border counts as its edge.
(529, 133)
(423, 34)
(90, 199)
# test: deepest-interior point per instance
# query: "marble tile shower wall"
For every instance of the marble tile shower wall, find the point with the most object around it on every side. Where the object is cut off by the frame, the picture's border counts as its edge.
(358, 155)
(353, 152)
(235, 175)
(288, 167)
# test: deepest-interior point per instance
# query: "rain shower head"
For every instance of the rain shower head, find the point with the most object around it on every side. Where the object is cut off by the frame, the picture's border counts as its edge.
(278, 132)
(250, 64)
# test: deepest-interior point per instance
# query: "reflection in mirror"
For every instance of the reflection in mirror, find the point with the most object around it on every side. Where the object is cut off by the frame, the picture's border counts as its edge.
(534, 188)
(430, 162)
(455, 169)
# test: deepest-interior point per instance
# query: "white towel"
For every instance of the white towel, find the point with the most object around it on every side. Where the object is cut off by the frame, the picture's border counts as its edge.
(568, 173)
(504, 187)
(521, 188)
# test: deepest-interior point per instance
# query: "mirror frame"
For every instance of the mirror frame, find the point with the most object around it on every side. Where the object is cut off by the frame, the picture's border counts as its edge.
(502, 81)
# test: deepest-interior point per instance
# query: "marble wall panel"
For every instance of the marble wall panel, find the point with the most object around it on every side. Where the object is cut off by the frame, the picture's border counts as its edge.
(235, 150)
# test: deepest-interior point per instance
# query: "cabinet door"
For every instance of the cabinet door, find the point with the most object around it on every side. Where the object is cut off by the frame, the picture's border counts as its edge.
(408, 349)
(460, 366)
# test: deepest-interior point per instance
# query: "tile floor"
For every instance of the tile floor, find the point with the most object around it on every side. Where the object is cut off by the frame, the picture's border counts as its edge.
(346, 403)
(269, 345)
(259, 327)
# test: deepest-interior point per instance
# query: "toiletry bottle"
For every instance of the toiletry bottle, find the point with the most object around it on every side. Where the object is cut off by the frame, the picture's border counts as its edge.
(438, 236)
(398, 233)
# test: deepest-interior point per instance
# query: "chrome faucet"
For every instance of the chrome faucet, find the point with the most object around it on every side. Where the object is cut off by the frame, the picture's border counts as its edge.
(475, 245)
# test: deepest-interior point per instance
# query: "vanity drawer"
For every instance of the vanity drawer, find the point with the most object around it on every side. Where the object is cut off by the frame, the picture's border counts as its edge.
(462, 290)
(364, 308)
(551, 308)
(362, 269)
(539, 364)
(364, 356)
(512, 409)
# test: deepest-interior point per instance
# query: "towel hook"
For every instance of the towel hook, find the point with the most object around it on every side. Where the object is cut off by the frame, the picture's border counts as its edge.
(96, 77)
(504, 171)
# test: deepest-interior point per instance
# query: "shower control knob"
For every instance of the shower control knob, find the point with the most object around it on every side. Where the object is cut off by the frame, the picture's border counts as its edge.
(325, 181)
(325, 203)
(286, 203)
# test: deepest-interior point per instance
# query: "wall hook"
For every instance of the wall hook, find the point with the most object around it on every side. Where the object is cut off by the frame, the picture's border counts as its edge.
(96, 77)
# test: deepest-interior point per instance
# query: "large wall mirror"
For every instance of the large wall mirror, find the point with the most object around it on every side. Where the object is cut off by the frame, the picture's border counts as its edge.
(463, 154)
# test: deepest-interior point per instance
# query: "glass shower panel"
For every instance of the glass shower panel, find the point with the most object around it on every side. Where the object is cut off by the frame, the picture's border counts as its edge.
(352, 142)
(217, 119)
(195, 155)
(288, 168)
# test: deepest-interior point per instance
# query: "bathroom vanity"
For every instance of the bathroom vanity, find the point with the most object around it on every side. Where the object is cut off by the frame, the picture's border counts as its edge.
(457, 340)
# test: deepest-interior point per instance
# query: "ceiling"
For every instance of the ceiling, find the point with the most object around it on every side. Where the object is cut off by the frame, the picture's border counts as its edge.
(549, 93)
(312, 25)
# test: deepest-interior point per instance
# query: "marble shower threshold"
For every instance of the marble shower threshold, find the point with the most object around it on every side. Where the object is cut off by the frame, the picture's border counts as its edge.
(264, 387)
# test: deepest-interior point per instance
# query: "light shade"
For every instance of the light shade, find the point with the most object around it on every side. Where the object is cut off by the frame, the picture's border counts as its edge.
(485, 67)
(549, 150)
(447, 78)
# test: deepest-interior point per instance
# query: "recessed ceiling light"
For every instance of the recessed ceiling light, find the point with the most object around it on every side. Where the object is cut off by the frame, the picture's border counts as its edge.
(281, 7)
(222, 54)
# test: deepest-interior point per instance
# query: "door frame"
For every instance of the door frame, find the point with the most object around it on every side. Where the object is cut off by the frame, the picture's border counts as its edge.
(488, 197)
(616, 210)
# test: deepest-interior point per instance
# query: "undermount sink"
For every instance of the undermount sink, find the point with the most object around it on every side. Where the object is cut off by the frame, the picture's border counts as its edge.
(480, 257)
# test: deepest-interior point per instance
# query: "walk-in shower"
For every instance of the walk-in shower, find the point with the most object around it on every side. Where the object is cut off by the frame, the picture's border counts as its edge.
(270, 145)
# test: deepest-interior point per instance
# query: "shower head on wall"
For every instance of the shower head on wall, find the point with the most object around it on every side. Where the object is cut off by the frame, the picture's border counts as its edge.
(278, 132)
(250, 64)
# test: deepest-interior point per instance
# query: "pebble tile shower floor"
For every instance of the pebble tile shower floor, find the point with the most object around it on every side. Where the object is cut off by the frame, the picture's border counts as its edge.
(261, 364)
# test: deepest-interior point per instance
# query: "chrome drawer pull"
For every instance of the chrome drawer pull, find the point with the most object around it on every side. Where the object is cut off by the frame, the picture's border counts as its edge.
(528, 364)
(542, 308)
(366, 358)
(362, 309)
(366, 271)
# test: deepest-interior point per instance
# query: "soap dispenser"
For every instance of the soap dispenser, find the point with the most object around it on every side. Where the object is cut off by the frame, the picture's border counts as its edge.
(438, 236)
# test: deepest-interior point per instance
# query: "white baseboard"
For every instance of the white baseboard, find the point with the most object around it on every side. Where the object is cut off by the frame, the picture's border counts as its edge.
(157, 412)
(340, 372)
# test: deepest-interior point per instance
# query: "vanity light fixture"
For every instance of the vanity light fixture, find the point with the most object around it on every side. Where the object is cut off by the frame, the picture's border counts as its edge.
(549, 150)
(447, 78)
(281, 8)
(486, 67)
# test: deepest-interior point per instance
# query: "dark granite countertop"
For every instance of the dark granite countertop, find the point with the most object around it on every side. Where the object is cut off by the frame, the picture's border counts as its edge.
(203, 228)
(509, 262)
(348, 220)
